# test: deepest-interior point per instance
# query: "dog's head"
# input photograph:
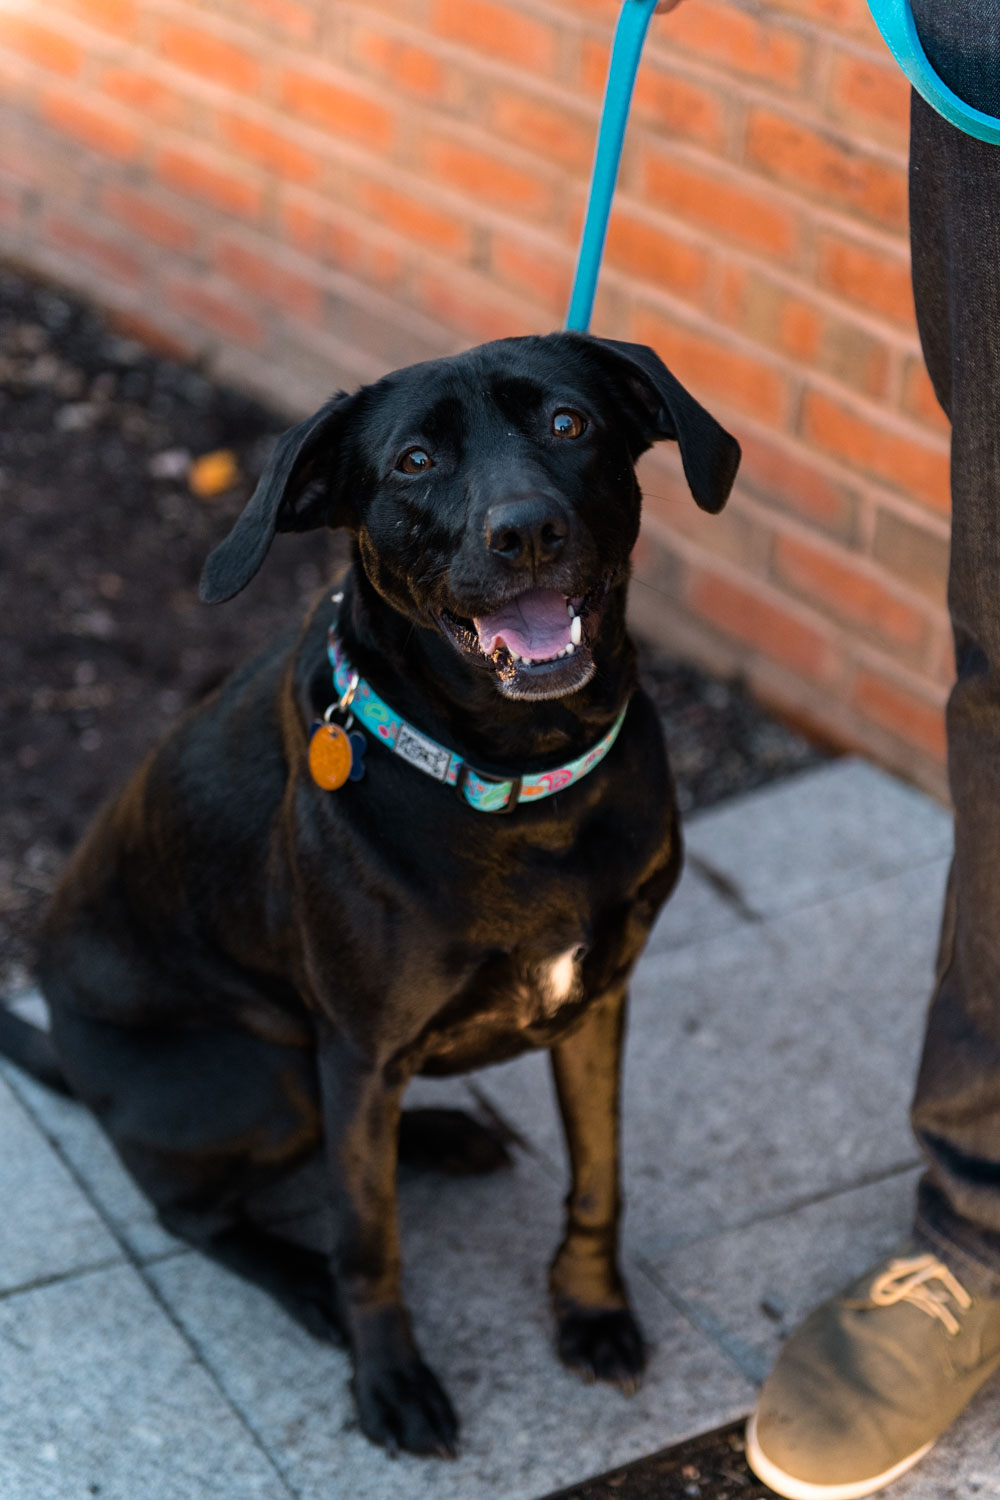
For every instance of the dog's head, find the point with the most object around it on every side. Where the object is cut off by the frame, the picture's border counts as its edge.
(492, 496)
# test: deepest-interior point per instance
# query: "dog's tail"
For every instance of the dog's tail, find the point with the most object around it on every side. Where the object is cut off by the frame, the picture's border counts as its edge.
(32, 1049)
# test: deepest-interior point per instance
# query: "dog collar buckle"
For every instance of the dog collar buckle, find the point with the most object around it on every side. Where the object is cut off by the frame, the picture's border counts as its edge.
(465, 771)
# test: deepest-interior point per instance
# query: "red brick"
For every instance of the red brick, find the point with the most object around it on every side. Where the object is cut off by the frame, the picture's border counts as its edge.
(471, 307)
(116, 16)
(214, 311)
(10, 207)
(210, 183)
(774, 474)
(602, 12)
(549, 129)
(287, 16)
(23, 159)
(733, 535)
(730, 38)
(715, 370)
(682, 107)
(835, 170)
(875, 279)
(656, 254)
(781, 318)
(40, 44)
(403, 64)
(497, 31)
(872, 95)
(837, 583)
(262, 274)
(104, 253)
(91, 125)
(210, 57)
(486, 176)
(919, 399)
(844, 17)
(763, 625)
(269, 148)
(144, 93)
(341, 110)
(738, 210)
(349, 246)
(916, 720)
(541, 272)
(896, 458)
(415, 218)
(138, 212)
(944, 659)
(915, 553)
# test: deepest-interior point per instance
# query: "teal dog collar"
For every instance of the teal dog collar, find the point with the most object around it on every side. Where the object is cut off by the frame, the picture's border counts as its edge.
(484, 792)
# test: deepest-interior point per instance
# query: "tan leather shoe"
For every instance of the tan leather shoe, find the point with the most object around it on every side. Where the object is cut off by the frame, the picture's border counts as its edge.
(871, 1379)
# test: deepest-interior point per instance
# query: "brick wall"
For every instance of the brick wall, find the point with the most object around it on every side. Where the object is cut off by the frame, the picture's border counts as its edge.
(307, 192)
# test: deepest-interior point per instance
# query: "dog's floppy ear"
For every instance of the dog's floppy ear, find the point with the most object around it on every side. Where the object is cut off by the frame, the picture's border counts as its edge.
(709, 453)
(294, 493)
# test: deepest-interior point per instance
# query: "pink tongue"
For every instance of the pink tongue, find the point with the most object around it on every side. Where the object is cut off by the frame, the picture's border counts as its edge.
(536, 624)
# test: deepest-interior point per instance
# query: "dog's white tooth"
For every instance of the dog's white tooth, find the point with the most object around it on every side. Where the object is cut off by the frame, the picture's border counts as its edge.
(570, 649)
(576, 630)
(570, 610)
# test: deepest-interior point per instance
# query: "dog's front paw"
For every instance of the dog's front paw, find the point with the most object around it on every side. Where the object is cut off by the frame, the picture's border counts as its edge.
(603, 1344)
(405, 1406)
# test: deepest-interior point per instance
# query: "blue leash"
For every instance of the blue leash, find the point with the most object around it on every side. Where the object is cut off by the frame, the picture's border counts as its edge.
(630, 34)
(894, 19)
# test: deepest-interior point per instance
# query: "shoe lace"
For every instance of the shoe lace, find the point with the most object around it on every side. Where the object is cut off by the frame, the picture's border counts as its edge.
(909, 1281)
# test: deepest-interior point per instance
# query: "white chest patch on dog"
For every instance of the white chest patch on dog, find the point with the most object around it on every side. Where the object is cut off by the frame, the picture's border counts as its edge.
(558, 976)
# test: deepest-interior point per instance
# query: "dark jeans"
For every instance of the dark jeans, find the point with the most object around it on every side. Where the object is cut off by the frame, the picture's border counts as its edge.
(955, 230)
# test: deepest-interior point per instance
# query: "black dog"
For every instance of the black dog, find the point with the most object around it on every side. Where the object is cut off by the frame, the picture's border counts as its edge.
(241, 965)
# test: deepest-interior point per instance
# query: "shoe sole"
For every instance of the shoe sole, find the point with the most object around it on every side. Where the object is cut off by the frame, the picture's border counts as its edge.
(800, 1489)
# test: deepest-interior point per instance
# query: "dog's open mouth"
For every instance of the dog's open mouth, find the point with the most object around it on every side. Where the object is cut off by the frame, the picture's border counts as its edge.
(539, 641)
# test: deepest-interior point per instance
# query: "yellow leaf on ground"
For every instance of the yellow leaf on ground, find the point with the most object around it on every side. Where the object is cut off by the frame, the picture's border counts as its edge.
(213, 473)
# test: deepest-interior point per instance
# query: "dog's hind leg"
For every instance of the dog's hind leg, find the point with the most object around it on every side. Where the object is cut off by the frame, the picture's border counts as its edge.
(450, 1141)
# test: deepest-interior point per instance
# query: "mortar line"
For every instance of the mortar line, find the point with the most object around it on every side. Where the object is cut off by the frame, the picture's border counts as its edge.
(59, 1278)
(822, 1195)
(861, 880)
(750, 1363)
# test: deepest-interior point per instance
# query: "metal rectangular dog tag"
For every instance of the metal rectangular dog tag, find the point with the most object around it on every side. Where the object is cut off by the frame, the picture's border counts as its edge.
(422, 752)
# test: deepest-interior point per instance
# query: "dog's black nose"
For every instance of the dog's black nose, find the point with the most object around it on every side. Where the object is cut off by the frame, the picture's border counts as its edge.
(530, 530)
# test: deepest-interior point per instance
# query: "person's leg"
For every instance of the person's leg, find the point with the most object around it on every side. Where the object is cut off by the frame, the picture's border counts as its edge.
(866, 1385)
(955, 232)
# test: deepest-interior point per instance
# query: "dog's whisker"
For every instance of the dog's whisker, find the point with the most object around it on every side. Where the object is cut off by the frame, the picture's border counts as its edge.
(645, 584)
(677, 500)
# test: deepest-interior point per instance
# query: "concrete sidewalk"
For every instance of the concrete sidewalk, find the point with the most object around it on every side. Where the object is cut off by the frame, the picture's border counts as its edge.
(775, 1029)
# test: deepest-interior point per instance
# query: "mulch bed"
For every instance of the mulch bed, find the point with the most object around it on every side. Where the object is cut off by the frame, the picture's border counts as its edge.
(103, 639)
(709, 1467)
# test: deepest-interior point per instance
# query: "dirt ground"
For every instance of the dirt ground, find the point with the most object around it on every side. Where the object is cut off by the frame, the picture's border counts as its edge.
(102, 638)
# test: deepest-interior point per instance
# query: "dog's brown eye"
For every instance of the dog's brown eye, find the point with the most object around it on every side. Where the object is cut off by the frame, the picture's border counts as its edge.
(568, 424)
(416, 461)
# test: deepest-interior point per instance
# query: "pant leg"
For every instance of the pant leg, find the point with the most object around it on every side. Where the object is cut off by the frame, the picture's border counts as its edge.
(955, 232)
